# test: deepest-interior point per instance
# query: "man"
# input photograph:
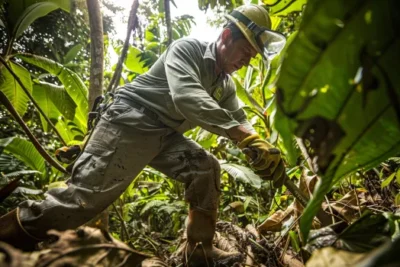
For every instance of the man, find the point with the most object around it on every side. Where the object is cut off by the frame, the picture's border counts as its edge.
(188, 86)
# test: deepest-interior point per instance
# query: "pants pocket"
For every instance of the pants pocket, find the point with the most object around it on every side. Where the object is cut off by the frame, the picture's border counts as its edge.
(116, 111)
(90, 168)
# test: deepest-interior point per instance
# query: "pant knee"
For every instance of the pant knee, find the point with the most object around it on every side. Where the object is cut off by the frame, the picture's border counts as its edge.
(202, 181)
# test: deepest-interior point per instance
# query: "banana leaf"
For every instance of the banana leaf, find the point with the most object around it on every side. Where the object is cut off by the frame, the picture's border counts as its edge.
(11, 88)
(339, 90)
(25, 152)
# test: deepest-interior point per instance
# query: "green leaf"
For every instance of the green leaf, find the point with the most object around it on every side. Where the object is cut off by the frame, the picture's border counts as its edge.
(349, 115)
(388, 180)
(32, 13)
(134, 61)
(386, 255)
(365, 234)
(150, 37)
(28, 191)
(284, 7)
(62, 101)
(11, 88)
(241, 93)
(25, 152)
(243, 174)
(58, 184)
(18, 9)
(398, 176)
(20, 173)
(54, 101)
(294, 241)
(151, 205)
(247, 202)
(397, 199)
(71, 81)
(72, 53)
(68, 130)
(275, 22)
(205, 138)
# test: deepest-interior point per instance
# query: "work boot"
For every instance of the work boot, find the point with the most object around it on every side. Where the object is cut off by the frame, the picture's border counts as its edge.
(199, 249)
(12, 232)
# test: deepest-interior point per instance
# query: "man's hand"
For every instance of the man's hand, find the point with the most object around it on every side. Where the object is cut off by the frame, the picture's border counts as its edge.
(264, 158)
(238, 133)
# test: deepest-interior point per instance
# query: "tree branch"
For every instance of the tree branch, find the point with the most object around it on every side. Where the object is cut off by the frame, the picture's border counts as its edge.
(33, 100)
(4, 100)
(132, 24)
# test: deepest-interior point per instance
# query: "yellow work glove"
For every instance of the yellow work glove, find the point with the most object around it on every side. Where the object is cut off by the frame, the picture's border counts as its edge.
(264, 158)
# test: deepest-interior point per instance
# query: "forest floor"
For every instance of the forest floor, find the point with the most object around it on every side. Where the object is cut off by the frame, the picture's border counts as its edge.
(364, 218)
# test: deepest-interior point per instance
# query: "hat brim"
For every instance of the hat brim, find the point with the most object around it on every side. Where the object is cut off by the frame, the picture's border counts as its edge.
(246, 32)
(270, 42)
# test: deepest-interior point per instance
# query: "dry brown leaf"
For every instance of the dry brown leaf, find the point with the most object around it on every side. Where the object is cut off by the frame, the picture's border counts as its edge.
(237, 206)
(291, 261)
(225, 244)
(274, 222)
(349, 206)
(85, 245)
(250, 257)
(253, 231)
(334, 258)
(153, 262)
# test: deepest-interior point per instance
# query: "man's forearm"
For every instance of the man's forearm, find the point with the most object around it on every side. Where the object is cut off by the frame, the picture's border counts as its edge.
(238, 133)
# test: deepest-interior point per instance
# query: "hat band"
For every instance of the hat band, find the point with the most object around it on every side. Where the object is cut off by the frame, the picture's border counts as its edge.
(251, 25)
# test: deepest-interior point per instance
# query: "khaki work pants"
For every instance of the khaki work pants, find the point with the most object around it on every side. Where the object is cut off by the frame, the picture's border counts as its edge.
(123, 142)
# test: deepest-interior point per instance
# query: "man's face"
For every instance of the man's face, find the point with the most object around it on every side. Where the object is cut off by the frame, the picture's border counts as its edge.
(235, 54)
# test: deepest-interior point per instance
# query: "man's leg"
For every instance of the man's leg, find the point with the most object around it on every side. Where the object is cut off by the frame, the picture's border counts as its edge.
(123, 142)
(184, 160)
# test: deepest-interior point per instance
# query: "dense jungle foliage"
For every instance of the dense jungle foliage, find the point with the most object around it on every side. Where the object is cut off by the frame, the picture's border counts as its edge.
(330, 102)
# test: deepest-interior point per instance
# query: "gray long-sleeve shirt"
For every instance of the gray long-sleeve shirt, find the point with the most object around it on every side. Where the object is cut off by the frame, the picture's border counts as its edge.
(183, 89)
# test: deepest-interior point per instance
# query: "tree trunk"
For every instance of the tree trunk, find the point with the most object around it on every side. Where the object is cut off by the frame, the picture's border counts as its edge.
(96, 79)
(96, 50)
(168, 21)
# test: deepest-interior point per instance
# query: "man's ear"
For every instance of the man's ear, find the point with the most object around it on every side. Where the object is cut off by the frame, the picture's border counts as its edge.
(226, 35)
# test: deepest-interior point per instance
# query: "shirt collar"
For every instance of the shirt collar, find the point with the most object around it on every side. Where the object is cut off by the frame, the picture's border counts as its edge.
(211, 51)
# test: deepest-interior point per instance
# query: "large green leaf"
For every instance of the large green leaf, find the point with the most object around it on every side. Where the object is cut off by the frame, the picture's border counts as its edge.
(11, 88)
(134, 61)
(72, 53)
(58, 95)
(54, 101)
(24, 151)
(47, 106)
(367, 233)
(19, 9)
(30, 14)
(339, 89)
(71, 81)
(243, 174)
(69, 131)
(284, 7)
